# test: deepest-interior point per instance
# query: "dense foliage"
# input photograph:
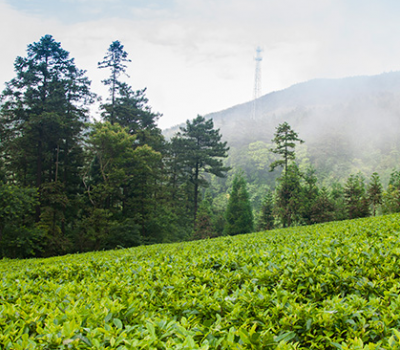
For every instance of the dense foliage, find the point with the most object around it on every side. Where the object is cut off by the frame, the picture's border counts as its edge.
(67, 185)
(330, 286)
(70, 185)
(239, 216)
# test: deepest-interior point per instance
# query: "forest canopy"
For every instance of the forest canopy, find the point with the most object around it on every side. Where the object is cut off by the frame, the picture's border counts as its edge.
(69, 183)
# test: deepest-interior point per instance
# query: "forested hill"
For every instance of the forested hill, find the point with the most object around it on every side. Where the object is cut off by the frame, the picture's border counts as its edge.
(70, 185)
(348, 125)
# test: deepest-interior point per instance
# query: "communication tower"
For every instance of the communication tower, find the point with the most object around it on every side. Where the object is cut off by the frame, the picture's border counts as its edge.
(257, 80)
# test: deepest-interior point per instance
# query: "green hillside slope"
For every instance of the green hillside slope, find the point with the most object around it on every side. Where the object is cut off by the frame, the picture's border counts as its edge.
(318, 287)
(348, 125)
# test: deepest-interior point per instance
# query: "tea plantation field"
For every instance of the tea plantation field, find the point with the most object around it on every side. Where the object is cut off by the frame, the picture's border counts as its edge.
(331, 286)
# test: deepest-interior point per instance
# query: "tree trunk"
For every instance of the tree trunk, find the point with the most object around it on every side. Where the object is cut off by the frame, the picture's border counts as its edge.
(114, 78)
(286, 160)
(196, 191)
(39, 165)
(65, 180)
(57, 156)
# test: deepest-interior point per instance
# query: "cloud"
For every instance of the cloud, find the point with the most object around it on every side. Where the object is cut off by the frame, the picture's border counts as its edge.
(18, 30)
(196, 56)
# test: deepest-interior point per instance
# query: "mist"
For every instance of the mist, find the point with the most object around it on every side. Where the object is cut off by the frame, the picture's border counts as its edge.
(349, 125)
(196, 56)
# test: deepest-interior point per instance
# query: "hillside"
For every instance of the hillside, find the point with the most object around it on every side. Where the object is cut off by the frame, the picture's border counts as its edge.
(324, 286)
(349, 125)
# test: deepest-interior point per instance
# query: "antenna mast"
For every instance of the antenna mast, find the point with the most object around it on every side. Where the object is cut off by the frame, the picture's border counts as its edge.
(257, 80)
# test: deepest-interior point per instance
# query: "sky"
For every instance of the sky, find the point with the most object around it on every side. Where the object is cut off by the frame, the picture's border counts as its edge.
(197, 56)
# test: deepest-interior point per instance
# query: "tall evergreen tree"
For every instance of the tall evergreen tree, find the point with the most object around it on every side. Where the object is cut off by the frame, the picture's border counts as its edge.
(266, 219)
(42, 116)
(339, 202)
(176, 169)
(355, 197)
(323, 208)
(285, 142)
(115, 60)
(202, 152)
(391, 198)
(309, 194)
(374, 192)
(288, 200)
(127, 107)
(132, 111)
(239, 215)
(142, 194)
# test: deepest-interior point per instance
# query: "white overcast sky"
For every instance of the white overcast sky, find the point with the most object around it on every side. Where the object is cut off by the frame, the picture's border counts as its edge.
(197, 56)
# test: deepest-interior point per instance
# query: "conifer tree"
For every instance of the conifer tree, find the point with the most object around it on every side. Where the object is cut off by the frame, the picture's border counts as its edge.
(323, 208)
(288, 196)
(201, 153)
(127, 107)
(309, 194)
(115, 60)
(238, 215)
(142, 194)
(339, 203)
(391, 197)
(266, 219)
(374, 192)
(132, 111)
(285, 142)
(355, 197)
(42, 116)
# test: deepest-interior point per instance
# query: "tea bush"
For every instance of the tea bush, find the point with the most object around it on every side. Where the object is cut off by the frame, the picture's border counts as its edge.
(330, 286)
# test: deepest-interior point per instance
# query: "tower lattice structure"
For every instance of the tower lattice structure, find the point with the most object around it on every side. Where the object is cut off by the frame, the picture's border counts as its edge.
(257, 80)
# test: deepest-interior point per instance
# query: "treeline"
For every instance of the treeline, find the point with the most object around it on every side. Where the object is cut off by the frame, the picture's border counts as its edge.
(70, 185)
(298, 199)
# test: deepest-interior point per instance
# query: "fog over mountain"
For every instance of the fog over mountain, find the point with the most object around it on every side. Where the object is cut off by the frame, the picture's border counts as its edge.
(348, 125)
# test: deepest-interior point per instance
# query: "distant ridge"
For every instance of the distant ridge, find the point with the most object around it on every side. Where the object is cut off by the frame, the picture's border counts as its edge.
(349, 125)
(305, 95)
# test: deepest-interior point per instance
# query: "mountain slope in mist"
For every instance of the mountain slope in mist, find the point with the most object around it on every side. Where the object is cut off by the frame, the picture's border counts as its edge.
(350, 124)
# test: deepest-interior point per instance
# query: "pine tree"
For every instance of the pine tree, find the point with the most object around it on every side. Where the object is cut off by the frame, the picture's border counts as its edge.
(115, 60)
(355, 197)
(339, 202)
(391, 197)
(131, 110)
(201, 152)
(238, 215)
(127, 107)
(374, 192)
(323, 208)
(143, 193)
(309, 194)
(288, 196)
(43, 117)
(285, 142)
(266, 219)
